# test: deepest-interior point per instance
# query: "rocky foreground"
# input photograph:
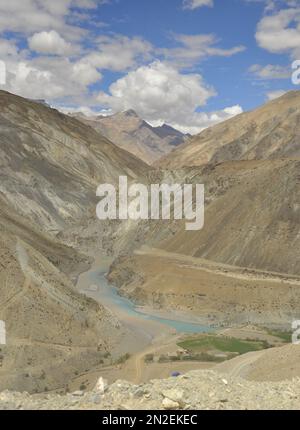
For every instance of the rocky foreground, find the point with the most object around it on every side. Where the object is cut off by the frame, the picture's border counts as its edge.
(199, 390)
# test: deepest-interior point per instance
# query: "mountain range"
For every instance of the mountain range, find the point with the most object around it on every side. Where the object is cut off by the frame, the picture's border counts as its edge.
(250, 168)
(128, 131)
(243, 267)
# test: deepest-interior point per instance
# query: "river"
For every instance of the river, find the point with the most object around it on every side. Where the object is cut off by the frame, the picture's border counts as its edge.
(95, 285)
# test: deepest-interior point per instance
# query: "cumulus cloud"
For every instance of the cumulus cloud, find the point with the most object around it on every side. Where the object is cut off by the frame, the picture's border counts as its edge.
(193, 48)
(198, 121)
(85, 73)
(160, 94)
(272, 95)
(31, 16)
(118, 52)
(50, 78)
(50, 43)
(270, 71)
(29, 81)
(279, 33)
(64, 59)
(194, 4)
(63, 68)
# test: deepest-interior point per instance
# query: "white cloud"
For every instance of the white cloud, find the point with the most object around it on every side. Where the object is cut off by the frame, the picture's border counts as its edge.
(280, 32)
(272, 95)
(64, 66)
(118, 52)
(7, 48)
(29, 81)
(194, 48)
(31, 16)
(160, 94)
(50, 78)
(86, 111)
(273, 5)
(270, 71)
(84, 73)
(233, 110)
(194, 4)
(201, 120)
(50, 43)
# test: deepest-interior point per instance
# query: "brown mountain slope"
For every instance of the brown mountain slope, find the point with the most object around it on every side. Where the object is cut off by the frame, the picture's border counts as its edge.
(51, 164)
(253, 218)
(269, 132)
(256, 366)
(52, 331)
(252, 221)
(130, 132)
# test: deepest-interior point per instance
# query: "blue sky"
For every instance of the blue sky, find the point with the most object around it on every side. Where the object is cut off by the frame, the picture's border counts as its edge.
(232, 21)
(190, 63)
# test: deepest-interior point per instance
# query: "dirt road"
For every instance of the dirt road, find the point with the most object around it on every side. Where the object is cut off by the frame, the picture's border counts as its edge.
(240, 366)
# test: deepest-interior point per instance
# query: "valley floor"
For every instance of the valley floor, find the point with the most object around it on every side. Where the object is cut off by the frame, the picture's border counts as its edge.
(213, 293)
(146, 337)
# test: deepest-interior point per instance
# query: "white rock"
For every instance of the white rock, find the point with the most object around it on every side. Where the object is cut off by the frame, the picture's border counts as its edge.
(169, 404)
(101, 386)
(174, 394)
(78, 393)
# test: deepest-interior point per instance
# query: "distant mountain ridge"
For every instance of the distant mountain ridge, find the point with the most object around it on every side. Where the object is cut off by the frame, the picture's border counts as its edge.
(128, 131)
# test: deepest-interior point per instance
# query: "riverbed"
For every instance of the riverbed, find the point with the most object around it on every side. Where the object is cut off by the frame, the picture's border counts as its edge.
(94, 284)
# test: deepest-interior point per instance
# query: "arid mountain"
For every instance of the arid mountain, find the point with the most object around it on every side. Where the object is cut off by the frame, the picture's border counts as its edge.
(242, 267)
(130, 132)
(252, 224)
(52, 332)
(269, 132)
(51, 165)
(252, 217)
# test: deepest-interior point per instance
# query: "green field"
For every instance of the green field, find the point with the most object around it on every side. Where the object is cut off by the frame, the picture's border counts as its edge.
(206, 343)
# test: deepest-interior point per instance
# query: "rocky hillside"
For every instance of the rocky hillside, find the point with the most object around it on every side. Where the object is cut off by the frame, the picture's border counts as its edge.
(197, 390)
(51, 165)
(250, 168)
(252, 216)
(128, 131)
(269, 132)
(52, 332)
(251, 222)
